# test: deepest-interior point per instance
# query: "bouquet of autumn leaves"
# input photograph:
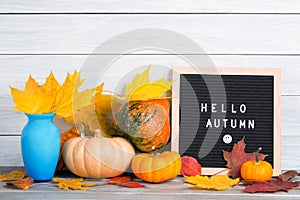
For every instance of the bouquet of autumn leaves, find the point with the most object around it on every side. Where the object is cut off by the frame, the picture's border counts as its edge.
(63, 99)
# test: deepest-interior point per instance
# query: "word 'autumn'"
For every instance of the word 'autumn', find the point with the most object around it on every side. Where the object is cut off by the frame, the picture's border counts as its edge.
(225, 123)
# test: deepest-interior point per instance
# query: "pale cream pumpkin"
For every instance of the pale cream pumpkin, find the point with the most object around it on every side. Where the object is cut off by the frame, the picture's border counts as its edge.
(98, 157)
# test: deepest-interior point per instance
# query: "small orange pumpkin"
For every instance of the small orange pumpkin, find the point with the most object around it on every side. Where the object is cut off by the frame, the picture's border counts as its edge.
(256, 170)
(157, 167)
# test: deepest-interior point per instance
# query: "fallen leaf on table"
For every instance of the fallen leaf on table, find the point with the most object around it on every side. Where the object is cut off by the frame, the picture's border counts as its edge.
(217, 182)
(12, 176)
(74, 184)
(88, 184)
(272, 186)
(237, 157)
(23, 184)
(190, 166)
(124, 181)
(288, 175)
(141, 88)
(118, 180)
(132, 184)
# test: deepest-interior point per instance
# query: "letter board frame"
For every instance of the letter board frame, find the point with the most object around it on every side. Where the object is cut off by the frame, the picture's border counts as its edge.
(262, 114)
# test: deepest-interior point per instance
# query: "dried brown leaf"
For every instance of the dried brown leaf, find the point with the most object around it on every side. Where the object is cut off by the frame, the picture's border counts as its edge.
(288, 175)
(23, 184)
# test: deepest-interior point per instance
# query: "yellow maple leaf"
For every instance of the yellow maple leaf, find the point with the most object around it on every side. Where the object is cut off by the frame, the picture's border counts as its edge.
(69, 99)
(33, 99)
(141, 88)
(85, 116)
(82, 99)
(83, 104)
(64, 96)
(216, 182)
(51, 83)
(105, 103)
(74, 184)
(52, 97)
(96, 115)
(12, 176)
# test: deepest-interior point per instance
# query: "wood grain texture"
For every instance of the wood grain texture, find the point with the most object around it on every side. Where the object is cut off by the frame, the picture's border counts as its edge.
(154, 6)
(216, 34)
(10, 149)
(170, 190)
(39, 67)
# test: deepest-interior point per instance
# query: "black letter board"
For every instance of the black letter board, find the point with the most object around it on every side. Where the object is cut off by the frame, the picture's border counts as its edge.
(212, 109)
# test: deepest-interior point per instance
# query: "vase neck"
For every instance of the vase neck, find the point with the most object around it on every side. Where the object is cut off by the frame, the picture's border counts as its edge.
(46, 116)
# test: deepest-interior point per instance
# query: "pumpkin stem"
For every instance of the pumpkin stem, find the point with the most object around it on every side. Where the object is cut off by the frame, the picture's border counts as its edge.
(98, 133)
(256, 155)
(81, 130)
(154, 152)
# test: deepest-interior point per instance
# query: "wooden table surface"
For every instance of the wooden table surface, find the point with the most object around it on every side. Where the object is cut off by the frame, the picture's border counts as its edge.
(173, 189)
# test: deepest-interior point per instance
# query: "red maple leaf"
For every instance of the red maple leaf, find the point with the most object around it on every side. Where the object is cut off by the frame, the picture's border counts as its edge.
(190, 166)
(272, 186)
(133, 184)
(237, 157)
(118, 180)
(124, 181)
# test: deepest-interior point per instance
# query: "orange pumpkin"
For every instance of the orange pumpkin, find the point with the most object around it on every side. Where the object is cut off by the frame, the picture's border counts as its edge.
(256, 170)
(157, 167)
(98, 157)
(64, 137)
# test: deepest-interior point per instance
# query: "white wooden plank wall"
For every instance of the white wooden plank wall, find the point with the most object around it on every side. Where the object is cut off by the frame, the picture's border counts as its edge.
(39, 36)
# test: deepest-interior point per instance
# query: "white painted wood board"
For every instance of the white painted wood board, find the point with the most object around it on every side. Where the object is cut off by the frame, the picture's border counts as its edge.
(216, 33)
(39, 67)
(154, 6)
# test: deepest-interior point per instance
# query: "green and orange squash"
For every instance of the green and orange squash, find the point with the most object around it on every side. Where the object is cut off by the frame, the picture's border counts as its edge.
(146, 123)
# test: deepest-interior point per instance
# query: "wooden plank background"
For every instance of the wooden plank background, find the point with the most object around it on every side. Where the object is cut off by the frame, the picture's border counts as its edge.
(39, 36)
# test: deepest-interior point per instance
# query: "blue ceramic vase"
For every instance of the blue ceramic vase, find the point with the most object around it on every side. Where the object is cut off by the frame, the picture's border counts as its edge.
(40, 144)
